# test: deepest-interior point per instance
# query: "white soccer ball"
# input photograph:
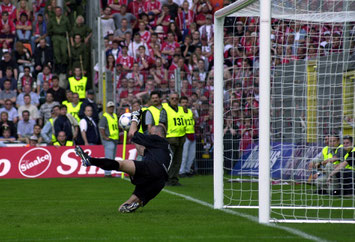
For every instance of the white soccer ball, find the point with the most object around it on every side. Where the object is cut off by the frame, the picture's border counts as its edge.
(125, 121)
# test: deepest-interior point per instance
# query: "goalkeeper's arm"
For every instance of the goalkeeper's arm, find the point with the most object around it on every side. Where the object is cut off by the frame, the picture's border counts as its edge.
(135, 122)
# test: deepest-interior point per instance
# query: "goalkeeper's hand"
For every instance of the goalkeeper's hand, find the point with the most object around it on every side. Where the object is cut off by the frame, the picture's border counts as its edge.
(136, 116)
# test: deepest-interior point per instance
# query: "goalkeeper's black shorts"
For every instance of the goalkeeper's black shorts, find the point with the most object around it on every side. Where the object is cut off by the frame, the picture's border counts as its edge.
(149, 178)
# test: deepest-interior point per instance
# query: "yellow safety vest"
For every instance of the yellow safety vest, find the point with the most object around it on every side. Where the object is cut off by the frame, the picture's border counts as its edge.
(190, 122)
(54, 139)
(155, 113)
(336, 151)
(112, 123)
(78, 86)
(175, 121)
(327, 155)
(68, 143)
(346, 156)
(74, 111)
(142, 123)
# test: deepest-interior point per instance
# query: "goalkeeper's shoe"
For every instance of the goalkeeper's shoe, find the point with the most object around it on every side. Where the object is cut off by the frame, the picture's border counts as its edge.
(129, 208)
(85, 159)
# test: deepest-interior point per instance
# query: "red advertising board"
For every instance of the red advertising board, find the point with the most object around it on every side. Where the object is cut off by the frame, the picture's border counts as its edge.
(50, 162)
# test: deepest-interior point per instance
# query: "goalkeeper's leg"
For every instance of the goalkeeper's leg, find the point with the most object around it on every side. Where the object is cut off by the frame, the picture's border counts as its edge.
(126, 166)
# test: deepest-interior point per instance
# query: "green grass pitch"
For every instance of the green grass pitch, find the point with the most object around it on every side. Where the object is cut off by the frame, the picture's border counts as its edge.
(85, 209)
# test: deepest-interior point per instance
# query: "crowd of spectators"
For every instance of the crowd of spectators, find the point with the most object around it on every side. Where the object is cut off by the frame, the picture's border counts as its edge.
(145, 42)
(32, 77)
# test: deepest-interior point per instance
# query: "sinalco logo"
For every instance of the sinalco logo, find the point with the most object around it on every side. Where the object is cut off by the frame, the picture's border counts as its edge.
(34, 162)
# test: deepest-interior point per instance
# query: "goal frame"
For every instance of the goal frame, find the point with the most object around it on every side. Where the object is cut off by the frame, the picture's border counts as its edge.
(264, 189)
(264, 113)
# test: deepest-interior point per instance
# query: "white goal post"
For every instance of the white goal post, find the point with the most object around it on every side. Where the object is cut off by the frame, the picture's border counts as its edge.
(266, 10)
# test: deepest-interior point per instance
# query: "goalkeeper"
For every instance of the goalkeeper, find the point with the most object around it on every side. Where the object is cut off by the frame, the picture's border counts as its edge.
(149, 175)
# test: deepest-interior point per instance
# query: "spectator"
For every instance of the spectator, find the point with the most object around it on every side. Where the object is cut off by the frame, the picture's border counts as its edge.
(6, 135)
(125, 60)
(185, 18)
(23, 57)
(133, 47)
(152, 6)
(58, 30)
(5, 123)
(27, 90)
(107, 23)
(8, 7)
(45, 110)
(7, 38)
(165, 18)
(89, 128)
(67, 123)
(90, 101)
(22, 7)
(5, 21)
(25, 127)
(47, 133)
(144, 33)
(206, 30)
(36, 134)
(114, 5)
(26, 78)
(43, 92)
(10, 110)
(117, 17)
(23, 28)
(120, 33)
(114, 51)
(32, 109)
(8, 62)
(82, 29)
(38, 7)
(57, 92)
(136, 75)
(136, 7)
(45, 76)
(7, 93)
(43, 56)
(173, 8)
(33, 141)
(169, 46)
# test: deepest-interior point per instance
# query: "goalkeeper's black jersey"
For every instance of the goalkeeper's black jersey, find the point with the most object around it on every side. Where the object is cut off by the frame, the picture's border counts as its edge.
(156, 148)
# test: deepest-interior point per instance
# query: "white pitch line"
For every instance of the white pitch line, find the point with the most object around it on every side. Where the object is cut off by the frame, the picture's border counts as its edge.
(250, 217)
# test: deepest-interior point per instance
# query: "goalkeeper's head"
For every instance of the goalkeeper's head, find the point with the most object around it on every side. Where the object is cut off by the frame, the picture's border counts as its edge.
(158, 130)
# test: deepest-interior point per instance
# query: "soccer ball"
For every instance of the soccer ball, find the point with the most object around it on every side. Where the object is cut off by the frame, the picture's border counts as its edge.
(125, 121)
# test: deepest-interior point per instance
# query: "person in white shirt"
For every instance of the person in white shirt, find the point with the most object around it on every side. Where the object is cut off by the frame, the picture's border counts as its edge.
(89, 129)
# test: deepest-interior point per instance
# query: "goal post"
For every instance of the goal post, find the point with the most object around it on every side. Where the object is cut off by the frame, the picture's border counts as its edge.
(283, 84)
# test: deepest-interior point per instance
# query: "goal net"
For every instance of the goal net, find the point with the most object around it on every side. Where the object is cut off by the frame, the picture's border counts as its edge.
(306, 105)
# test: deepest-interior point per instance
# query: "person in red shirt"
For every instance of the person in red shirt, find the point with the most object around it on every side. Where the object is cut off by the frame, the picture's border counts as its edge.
(23, 28)
(152, 6)
(135, 7)
(144, 33)
(169, 46)
(5, 21)
(185, 17)
(124, 59)
(7, 6)
(165, 18)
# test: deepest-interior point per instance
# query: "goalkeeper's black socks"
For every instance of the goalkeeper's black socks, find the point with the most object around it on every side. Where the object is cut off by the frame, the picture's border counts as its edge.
(105, 164)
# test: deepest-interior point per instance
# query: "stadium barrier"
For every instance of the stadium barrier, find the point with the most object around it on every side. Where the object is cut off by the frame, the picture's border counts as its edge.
(287, 161)
(53, 162)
